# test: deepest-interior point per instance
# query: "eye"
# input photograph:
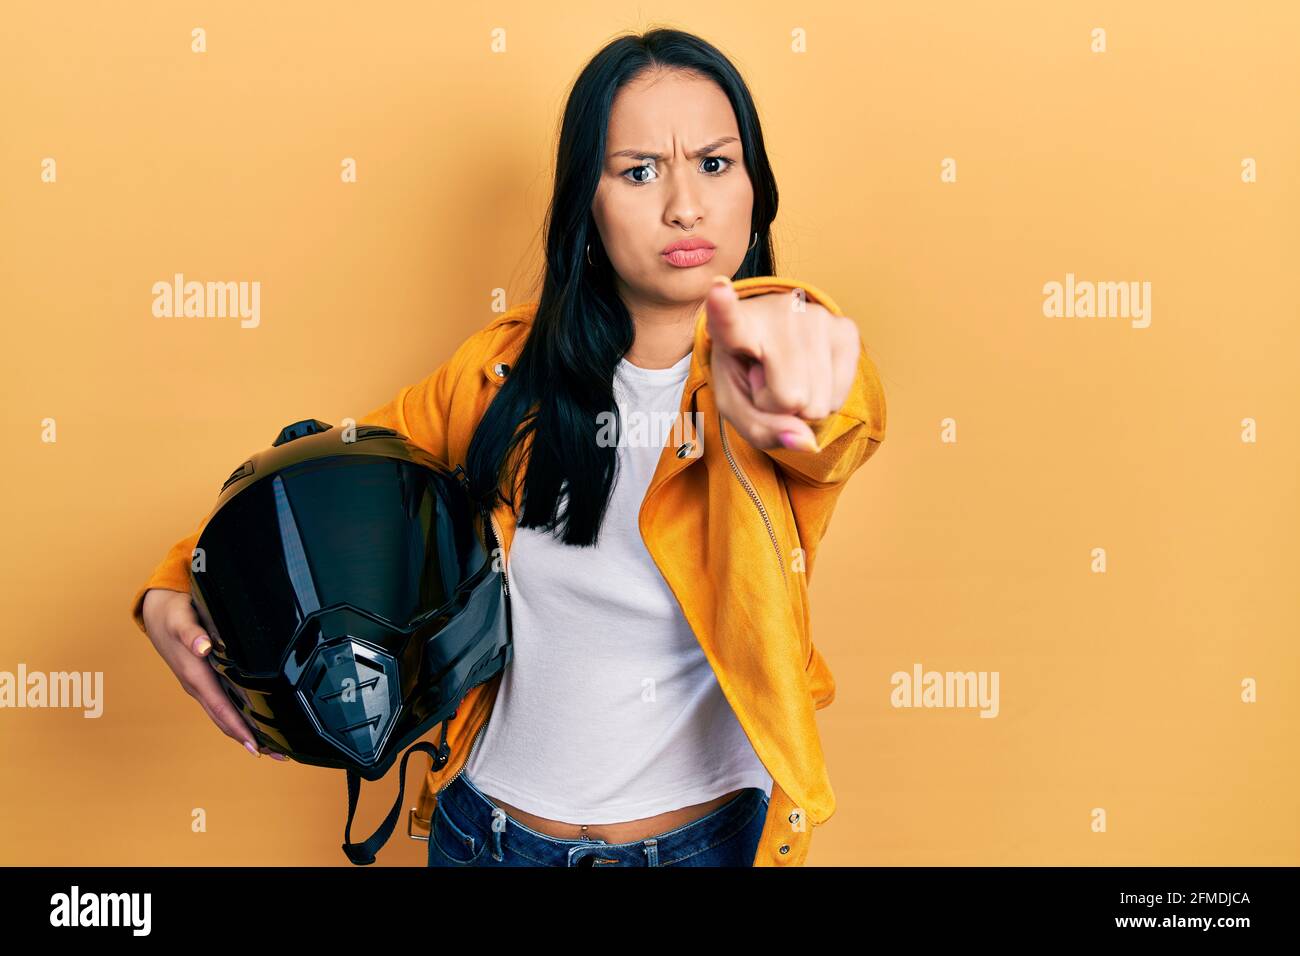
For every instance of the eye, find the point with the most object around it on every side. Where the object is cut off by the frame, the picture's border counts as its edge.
(649, 167)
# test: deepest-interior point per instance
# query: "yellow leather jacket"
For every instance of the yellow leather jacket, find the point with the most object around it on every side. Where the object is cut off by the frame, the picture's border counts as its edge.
(733, 529)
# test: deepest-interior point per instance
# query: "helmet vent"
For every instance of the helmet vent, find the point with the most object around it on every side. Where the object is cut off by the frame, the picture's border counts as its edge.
(308, 426)
(243, 471)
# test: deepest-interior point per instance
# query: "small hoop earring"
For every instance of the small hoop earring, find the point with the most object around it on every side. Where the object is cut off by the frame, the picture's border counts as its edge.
(589, 262)
(754, 243)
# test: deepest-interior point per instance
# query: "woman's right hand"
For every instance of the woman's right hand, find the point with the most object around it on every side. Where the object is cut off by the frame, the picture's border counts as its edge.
(178, 636)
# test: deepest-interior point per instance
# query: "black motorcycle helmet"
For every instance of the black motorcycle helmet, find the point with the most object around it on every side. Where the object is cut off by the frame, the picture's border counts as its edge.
(349, 585)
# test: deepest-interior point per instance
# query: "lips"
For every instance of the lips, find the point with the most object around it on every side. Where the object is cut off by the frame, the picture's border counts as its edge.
(688, 252)
(687, 244)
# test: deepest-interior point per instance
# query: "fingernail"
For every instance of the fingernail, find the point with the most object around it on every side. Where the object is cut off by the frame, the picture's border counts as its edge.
(721, 280)
(279, 757)
(251, 748)
(201, 644)
(795, 441)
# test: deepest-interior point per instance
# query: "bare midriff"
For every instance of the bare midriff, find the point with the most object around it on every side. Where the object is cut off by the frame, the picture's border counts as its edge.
(614, 832)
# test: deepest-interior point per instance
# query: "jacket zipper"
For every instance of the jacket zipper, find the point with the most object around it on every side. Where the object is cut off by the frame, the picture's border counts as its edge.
(758, 502)
(472, 743)
(496, 529)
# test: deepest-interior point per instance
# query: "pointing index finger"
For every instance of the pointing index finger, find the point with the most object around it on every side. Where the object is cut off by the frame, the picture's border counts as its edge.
(726, 321)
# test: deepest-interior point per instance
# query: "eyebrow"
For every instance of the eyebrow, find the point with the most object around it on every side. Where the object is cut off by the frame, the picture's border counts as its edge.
(657, 157)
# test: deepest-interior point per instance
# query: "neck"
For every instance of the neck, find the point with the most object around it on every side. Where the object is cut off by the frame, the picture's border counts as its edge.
(664, 331)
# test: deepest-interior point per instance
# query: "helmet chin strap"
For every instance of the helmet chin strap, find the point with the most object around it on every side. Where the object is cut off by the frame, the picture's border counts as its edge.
(363, 853)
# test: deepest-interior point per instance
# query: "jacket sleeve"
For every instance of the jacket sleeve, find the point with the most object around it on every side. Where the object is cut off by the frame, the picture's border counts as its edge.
(419, 411)
(848, 436)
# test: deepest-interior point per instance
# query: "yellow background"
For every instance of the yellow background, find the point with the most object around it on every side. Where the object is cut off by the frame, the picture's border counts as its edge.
(1118, 690)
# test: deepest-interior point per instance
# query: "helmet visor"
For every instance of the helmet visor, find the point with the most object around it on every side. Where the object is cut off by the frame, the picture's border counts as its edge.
(385, 536)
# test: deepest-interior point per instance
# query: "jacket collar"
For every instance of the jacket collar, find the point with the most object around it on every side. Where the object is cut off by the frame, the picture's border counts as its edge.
(499, 363)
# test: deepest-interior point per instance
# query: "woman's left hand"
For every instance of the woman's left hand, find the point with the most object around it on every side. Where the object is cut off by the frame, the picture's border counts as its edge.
(775, 368)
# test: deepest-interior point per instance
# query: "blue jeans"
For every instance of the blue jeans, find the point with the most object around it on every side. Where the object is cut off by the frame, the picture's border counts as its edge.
(468, 829)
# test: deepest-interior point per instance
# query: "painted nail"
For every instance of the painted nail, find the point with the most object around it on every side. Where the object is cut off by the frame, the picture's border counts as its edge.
(279, 757)
(796, 442)
(202, 645)
(252, 748)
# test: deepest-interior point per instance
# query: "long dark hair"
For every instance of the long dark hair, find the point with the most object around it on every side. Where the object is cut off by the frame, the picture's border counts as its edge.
(563, 378)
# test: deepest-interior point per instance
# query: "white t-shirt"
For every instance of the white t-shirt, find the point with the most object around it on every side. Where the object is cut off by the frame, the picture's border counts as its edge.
(609, 710)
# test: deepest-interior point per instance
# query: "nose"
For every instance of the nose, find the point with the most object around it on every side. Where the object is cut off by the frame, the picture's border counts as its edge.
(683, 206)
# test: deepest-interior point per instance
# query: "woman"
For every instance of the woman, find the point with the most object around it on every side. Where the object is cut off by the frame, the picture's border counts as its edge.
(662, 693)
